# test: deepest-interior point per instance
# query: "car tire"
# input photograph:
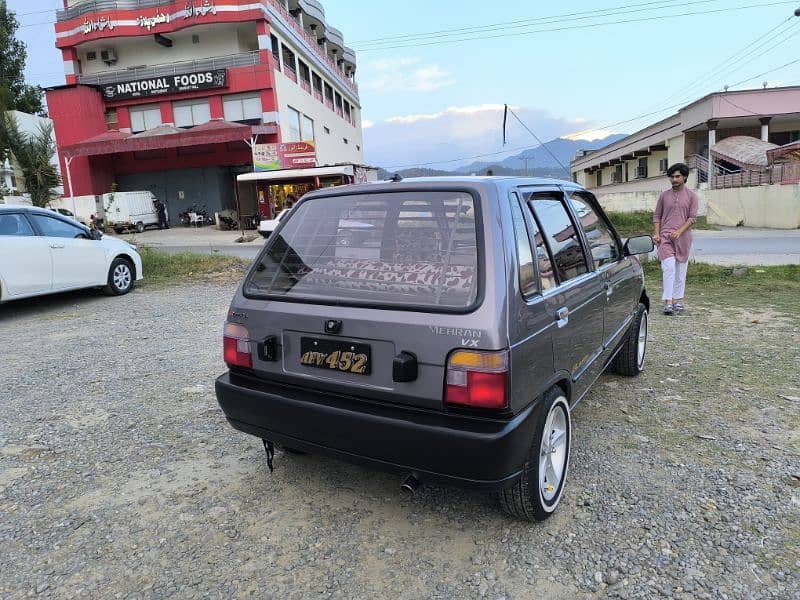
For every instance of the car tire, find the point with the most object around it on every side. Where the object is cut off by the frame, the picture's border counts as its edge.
(536, 494)
(139, 227)
(120, 277)
(118, 230)
(629, 361)
(263, 234)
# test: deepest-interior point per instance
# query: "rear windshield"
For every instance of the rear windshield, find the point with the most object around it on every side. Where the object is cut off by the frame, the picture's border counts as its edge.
(400, 248)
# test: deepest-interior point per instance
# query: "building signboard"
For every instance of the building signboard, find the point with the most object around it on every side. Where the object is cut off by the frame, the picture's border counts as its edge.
(168, 84)
(289, 155)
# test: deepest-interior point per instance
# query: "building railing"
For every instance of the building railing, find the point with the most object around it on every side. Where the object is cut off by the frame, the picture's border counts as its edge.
(314, 45)
(242, 59)
(723, 178)
(306, 85)
(91, 6)
(289, 72)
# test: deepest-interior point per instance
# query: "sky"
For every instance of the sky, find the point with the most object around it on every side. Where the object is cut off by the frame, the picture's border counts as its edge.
(432, 94)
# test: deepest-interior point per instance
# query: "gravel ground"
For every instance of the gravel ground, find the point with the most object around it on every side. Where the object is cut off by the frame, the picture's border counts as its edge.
(120, 477)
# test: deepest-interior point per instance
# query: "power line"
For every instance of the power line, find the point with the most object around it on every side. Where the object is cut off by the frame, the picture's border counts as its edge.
(589, 14)
(442, 162)
(554, 157)
(415, 44)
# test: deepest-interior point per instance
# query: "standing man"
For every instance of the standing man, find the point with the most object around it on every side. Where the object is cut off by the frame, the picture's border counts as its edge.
(162, 214)
(676, 212)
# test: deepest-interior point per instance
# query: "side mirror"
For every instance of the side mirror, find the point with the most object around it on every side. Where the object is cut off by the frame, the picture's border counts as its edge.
(640, 244)
(96, 234)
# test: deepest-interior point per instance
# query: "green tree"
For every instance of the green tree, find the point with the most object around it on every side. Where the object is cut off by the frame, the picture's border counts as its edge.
(15, 94)
(33, 154)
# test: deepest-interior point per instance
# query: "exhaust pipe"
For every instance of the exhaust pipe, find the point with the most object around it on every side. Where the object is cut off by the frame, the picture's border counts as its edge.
(410, 484)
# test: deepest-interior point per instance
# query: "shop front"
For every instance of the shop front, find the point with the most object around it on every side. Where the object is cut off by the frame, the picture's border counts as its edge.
(265, 193)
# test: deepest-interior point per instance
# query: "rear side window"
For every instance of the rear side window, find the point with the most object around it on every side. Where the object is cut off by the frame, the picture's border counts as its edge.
(560, 233)
(57, 228)
(398, 248)
(527, 276)
(14, 224)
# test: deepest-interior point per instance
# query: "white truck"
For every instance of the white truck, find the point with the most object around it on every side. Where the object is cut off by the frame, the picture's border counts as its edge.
(130, 210)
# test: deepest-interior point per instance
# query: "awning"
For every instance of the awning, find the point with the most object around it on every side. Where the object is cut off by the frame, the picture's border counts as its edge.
(213, 132)
(297, 173)
(743, 151)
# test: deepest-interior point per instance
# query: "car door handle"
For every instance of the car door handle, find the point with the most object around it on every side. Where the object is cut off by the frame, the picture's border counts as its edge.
(562, 316)
(56, 245)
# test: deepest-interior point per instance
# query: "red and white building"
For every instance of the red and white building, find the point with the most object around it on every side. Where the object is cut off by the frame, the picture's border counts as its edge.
(170, 95)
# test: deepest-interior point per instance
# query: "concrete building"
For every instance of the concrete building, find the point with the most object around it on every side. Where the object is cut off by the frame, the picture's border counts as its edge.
(730, 142)
(171, 95)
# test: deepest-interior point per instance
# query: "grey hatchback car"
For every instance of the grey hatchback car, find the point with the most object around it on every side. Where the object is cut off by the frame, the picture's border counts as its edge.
(448, 341)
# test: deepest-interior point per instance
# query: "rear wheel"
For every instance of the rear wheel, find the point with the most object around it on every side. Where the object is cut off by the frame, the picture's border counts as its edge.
(139, 227)
(630, 359)
(120, 277)
(536, 494)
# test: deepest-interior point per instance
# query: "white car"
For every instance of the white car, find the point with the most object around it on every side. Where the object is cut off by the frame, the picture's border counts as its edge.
(267, 226)
(43, 252)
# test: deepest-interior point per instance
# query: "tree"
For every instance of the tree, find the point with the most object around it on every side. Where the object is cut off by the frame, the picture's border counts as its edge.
(15, 94)
(33, 154)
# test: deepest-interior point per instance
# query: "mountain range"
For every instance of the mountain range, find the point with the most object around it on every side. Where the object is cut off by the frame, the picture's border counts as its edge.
(542, 161)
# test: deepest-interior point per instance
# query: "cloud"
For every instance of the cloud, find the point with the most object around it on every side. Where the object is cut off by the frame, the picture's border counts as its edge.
(403, 75)
(458, 132)
(366, 123)
(589, 134)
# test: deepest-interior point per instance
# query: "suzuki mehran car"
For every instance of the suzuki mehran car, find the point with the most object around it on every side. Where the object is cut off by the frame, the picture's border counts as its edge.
(449, 341)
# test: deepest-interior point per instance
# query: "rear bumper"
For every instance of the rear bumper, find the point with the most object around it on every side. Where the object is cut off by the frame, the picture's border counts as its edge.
(451, 448)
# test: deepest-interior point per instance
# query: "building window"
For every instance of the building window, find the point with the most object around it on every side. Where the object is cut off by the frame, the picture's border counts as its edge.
(328, 96)
(617, 177)
(358, 148)
(316, 82)
(112, 120)
(305, 76)
(293, 135)
(662, 166)
(327, 130)
(307, 131)
(145, 117)
(345, 140)
(339, 109)
(244, 108)
(289, 64)
(347, 114)
(191, 113)
(599, 178)
(276, 52)
(641, 170)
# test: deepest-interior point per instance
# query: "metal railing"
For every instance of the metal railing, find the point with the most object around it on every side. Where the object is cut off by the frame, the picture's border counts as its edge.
(242, 59)
(724, 178)
(91, 6)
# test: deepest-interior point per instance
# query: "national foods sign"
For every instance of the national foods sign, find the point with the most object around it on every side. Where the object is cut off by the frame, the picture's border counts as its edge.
(290, 155)
(168, 84)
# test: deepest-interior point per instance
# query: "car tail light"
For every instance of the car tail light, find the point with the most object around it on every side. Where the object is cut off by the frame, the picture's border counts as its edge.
(477, 379)
(236, 344)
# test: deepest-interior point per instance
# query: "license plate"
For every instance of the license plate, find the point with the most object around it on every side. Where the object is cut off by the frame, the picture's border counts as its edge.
(335, 355)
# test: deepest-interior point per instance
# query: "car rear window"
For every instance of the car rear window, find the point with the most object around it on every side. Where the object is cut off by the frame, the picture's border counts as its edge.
(399, 248)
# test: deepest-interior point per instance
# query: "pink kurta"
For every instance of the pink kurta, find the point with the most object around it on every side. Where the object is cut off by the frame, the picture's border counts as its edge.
(673, 210)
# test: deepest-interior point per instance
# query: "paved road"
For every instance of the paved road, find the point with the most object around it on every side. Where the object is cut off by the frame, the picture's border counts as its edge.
(728, 246)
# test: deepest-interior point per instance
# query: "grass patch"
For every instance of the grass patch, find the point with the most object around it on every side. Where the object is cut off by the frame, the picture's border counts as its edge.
(777, 286)
(162, 268)
(641, 221)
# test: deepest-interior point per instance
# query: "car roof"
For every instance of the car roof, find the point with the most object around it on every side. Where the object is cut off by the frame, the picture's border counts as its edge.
(444, 183)
(36, 210)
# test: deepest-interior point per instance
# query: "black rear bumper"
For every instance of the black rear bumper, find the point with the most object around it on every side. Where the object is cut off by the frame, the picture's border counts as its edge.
(462, 450)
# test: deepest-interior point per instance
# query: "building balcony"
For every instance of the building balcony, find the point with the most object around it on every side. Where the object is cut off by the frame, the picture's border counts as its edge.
(220, 62)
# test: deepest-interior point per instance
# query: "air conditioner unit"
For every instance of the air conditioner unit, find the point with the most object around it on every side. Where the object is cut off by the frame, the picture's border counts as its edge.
(641, 173)
(108, 56)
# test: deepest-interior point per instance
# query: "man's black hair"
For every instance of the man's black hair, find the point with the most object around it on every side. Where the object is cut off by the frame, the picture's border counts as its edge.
(680, 167)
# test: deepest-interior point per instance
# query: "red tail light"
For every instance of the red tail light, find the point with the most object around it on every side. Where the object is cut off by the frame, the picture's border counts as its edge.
(477, 379)
(236, 344)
